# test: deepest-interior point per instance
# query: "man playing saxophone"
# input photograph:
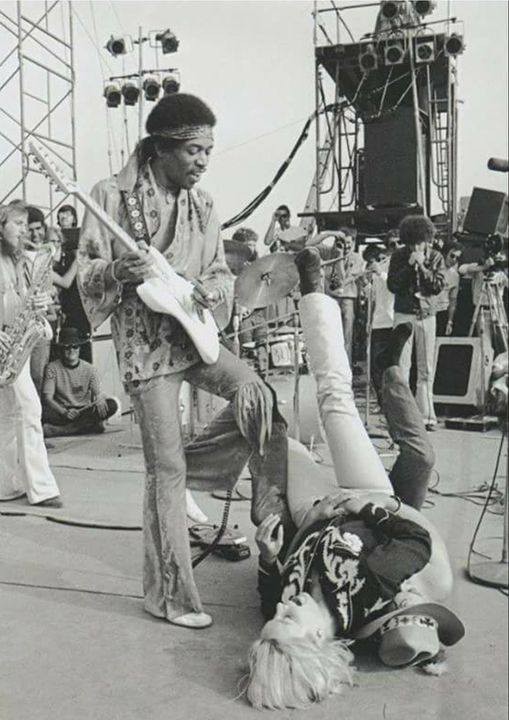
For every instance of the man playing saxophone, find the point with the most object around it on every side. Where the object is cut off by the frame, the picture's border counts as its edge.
(24, 466)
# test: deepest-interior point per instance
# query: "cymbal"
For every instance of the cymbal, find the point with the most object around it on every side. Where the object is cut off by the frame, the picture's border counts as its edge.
(267, 280)
(237, 255)
(291, 235)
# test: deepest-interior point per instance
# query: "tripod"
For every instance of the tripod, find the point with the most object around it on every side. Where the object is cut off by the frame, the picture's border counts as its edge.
(495, 312)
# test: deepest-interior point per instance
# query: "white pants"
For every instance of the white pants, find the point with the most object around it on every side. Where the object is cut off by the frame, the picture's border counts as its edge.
(355, 460)
(24, 465)
(424, 331)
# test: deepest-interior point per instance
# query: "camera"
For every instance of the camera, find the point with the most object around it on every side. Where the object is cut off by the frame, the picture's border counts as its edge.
(495, 248)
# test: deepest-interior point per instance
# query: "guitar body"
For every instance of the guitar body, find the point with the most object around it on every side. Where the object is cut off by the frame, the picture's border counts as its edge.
(167, 292)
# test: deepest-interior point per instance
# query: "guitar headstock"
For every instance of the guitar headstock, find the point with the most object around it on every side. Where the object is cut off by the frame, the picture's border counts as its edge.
(49, 167)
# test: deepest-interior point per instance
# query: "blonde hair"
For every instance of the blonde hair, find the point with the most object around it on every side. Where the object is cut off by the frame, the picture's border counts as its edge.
(15, 207)
(54, 235)
(296, 674)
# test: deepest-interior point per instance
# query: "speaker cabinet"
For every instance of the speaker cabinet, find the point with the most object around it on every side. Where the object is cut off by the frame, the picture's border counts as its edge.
(486, 212)
(390, 160)
(460, 369)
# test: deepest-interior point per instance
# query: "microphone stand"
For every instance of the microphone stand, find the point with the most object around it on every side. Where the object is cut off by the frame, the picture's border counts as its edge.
(236, 328)
(296, 366)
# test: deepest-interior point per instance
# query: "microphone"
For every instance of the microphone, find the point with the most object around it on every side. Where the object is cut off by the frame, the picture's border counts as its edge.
(498, 164)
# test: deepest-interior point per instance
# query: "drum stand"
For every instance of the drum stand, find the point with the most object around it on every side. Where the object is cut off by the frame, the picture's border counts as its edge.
(296, 368)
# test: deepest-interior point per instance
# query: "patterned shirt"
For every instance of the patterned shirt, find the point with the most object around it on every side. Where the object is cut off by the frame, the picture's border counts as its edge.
(148, 343)
(360, 561)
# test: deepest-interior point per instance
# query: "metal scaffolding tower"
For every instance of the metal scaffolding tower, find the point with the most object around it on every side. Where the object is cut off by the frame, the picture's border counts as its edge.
(394, 134)
(37, 82)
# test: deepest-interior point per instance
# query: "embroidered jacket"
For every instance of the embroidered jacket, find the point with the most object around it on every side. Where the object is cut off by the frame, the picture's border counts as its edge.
(149, 343)
(361, 562)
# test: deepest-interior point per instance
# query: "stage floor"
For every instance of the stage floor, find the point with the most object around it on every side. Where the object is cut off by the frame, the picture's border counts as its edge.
(77, 644)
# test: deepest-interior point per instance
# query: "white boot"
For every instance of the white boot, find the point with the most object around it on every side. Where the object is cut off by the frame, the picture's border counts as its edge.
(194, 513)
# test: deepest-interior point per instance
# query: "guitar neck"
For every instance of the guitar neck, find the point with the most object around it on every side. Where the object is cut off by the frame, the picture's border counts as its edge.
(106, 220)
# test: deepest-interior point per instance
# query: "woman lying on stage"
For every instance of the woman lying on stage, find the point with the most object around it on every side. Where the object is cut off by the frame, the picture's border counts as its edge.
(362, 564)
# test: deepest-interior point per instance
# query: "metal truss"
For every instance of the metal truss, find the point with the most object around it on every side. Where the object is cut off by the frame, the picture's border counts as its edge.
(428, 90)
(37, 83)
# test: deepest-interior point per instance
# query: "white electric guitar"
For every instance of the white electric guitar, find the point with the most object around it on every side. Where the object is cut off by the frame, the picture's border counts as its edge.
(167, 292)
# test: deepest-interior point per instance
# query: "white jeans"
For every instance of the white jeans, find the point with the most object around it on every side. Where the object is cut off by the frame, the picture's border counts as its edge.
(24, 465)
(424, 331)
(356, 462)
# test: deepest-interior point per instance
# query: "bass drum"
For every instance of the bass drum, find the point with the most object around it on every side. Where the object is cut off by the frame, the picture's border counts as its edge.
(310, 428)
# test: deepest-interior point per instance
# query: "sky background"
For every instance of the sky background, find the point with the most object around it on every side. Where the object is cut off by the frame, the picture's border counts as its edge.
(253, 63)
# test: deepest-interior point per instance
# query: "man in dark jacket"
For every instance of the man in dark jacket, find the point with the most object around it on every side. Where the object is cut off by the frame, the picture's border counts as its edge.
(416, 274)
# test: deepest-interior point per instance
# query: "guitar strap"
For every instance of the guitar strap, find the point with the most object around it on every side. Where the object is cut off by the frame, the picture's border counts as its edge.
(135, 215)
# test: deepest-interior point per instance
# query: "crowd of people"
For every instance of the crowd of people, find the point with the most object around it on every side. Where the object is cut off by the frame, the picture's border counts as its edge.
(341, 559)
(409, 275)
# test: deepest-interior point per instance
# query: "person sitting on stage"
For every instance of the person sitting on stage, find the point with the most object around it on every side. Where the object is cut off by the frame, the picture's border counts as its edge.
(73, 403)
(24, 466)
(155, 199)
(416, 275)
(362, 564)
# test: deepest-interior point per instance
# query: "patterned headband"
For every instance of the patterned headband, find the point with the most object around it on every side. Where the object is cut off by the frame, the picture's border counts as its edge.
(186, 132)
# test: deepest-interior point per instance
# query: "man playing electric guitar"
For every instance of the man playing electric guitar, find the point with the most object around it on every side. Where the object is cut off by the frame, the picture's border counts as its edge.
(155, 200)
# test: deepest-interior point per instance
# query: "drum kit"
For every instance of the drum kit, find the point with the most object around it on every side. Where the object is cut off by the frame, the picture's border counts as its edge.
(265, 311)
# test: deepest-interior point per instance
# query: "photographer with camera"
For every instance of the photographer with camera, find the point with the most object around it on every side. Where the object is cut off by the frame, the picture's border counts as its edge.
(341, 277)
(489, 280)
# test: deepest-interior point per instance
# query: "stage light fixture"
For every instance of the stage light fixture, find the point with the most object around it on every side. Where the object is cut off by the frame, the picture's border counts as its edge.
(454, 45)
(368, 59)
(390, 8)
(171, 84)
(424, 50)
(112, 94)
(424, 7)
(116, 46)
(168, 40)
(394, 52)
(131, 92)
(151, 88)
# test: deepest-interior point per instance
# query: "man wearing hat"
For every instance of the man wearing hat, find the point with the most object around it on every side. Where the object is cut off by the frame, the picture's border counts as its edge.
(72, 400)
(155, 199)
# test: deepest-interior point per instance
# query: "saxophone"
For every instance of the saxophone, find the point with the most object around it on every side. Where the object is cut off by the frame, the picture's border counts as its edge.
(30, 326)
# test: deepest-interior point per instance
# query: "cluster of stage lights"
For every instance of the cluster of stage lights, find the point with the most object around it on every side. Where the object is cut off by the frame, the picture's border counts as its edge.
(130, 90)
(395, 47)
(121, 45)
(149, 83)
